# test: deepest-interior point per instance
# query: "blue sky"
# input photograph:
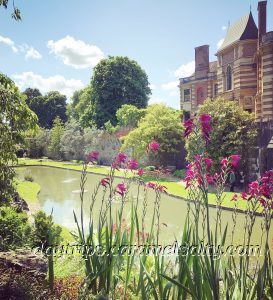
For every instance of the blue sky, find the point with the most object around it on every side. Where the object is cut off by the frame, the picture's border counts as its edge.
(58, 42)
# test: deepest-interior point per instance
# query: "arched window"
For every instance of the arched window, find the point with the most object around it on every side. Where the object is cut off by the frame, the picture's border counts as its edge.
(229, 78)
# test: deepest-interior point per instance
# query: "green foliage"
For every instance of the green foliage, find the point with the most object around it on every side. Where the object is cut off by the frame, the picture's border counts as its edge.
(179, 173)
(129, 115)
(45, 232)
(47, 107)
(14, 229)
(234, 131)
(117, 81)
(16, 14)
(55, 148)
(162, 124)
(37, 143)
(72, 141)
(15, 118)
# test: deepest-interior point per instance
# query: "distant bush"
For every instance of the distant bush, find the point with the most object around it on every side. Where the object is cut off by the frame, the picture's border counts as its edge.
(14, 229)
(179, 173)
(28, 176)
(150, 168)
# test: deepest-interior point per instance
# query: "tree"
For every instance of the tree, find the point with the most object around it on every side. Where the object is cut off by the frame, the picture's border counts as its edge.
(162, 124)
(129, 115)
(15, 119)
(117, 81)
(54, 148)
(16, 14)
(234, 131)
(47, 107)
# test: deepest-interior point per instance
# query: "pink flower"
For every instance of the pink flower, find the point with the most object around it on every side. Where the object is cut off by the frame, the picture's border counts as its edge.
(205, 126)
(105, 181)
(188, 127)
(140, 172)
(244, 196)
(234, 160)
(224, 163)
(93, 156)
(121, 189)
(210, 180)
(132, 164)
(234, 198)
(121, 157)
(162, 188)
(151, 185)
(208, 162)
(153, 146)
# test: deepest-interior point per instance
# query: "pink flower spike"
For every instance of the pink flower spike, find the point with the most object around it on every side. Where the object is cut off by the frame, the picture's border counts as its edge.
(234, 198)
(205, 126)
(121, 157)
(121, 189)
(189, 125)
(151, 185)
(105, 181)
(208, 162)
(132, 164)
(224, 163)
(162, 189)
(93, 156)
(140, 172)
(153, 146)
(244, 195)
(235, 159)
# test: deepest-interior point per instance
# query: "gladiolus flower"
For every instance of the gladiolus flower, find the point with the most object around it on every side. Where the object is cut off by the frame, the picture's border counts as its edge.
(162, 188)
(235, 159)
(105, 181)
(208, 162)
(205, 126)
(153, 146)
(234, 198)
(121, 189)
(132, 164)
(188, 127)
(224, 163)
(210, 180)
(244, 195)
(93, 156)
(140, 172)
(121, 157)
(151, 185)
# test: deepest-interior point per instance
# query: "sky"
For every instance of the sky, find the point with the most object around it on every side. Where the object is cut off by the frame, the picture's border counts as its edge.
(58, 43)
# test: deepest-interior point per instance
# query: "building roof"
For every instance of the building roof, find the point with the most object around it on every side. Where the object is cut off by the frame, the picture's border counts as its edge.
(243, 29)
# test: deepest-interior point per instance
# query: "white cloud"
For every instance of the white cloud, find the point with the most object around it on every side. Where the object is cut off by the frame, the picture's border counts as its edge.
(219, 44)
(172, 85)
(32, 53)
(185, 70)
(224, 28)
(52, 83)
(174, 93)
(7, 41)
(29, 51)
(75, 53)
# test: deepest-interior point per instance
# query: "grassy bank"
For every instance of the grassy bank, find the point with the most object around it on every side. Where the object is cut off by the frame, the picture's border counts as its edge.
(174, 187)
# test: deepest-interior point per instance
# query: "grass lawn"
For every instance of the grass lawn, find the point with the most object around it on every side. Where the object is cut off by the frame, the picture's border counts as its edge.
(173, 187)
(28, 191)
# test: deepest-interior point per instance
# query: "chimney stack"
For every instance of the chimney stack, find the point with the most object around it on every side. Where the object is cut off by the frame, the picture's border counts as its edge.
(261, 19)
(201, 61)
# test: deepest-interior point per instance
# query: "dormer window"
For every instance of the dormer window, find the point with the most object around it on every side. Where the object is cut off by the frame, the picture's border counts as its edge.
(229, 79)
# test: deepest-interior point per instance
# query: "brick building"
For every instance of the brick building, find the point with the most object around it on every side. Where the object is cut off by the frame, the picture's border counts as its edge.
(243, 71)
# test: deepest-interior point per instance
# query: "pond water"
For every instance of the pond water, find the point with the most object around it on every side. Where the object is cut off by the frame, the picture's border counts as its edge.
(60, 191)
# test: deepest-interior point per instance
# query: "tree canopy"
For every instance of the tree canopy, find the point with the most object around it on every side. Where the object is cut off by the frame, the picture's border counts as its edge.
(162, 124)
(15, 119)
(117, 81)
(234, 131)
(47, 107)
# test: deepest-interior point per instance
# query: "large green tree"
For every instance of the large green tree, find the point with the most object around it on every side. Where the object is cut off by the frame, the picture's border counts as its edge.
(16, 14)
(15, 119)
(233, 131)
(162, 124)
(117, 81)
(47, 107)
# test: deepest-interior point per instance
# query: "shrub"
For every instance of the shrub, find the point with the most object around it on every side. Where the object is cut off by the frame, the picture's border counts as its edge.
(179, 173)
(14, 229)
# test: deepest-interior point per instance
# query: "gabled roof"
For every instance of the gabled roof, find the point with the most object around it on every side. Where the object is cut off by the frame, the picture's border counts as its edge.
(243, 29)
